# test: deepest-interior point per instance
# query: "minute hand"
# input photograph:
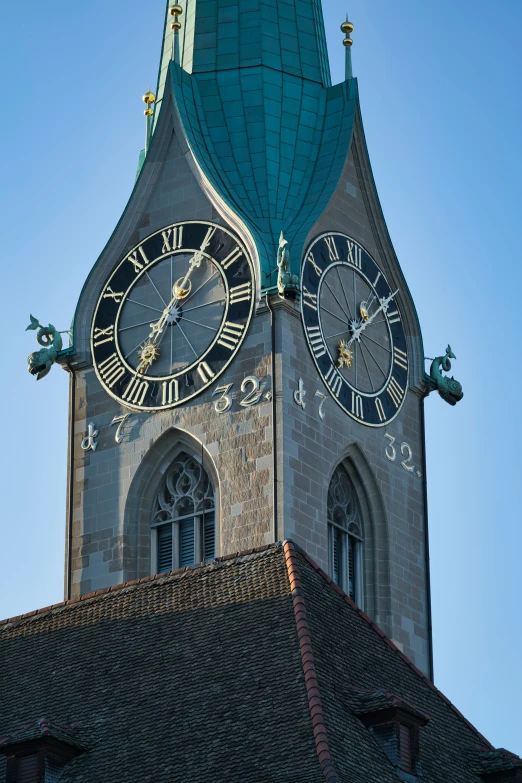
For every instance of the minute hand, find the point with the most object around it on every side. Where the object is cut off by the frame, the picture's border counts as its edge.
(159, 326)
(383, 306)
(180, 288)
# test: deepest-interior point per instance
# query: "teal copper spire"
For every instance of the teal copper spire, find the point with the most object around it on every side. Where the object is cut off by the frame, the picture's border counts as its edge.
(347, 29)
(251, 86)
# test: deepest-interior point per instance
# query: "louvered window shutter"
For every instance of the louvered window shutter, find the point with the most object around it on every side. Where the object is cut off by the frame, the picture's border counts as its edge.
(186, 543)
(165, 548)
(28, 769)
(386, 736)
(53, 771)
(405, 748)
(209, 533)
(351, 567)
(336, 555)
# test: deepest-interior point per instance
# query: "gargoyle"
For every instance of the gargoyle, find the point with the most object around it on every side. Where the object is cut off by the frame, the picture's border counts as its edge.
(448, 388)
(40, 362)
(287, 283)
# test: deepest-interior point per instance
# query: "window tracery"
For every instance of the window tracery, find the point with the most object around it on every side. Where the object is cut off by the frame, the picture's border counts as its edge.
(345, 532)
(184, 516)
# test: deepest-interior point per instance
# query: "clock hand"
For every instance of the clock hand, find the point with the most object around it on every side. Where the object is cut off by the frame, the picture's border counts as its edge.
(384, 304)
(180, 287)
(150, 351)
(180, 290)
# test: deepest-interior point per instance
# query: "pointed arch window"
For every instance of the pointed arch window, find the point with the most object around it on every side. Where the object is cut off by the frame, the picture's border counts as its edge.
(184, 521)
(345, 534)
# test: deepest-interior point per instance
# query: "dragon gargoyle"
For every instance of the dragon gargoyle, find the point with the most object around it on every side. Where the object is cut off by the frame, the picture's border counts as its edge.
(287, 283)
(448, 388)
(40, 362)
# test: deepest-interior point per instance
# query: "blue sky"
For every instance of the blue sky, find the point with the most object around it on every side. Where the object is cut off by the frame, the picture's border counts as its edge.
(440, 93)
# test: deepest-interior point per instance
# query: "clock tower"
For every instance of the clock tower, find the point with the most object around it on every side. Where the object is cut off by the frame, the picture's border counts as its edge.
(247, 363)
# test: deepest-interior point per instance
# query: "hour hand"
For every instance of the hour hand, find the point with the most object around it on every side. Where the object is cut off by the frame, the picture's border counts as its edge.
(150, 350)
(148, 354)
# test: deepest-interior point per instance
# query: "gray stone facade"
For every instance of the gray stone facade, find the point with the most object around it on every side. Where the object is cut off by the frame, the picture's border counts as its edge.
(112, 488)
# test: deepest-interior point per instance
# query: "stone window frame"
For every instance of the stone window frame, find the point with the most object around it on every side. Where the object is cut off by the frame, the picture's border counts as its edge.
(197, 514)
(352, 539)
(375, 598)
(138, 557)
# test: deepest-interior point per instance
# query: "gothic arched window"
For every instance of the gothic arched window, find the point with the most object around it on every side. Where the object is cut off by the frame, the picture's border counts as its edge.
(345, 534)
(184, 521)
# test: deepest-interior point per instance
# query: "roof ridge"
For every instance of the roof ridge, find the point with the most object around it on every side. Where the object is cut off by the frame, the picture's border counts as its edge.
(501, 752)
(178, 572)
(390, 644)
(307, 659)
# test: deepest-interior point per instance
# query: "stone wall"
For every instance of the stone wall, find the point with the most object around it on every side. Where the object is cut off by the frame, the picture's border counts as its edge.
(114, 486)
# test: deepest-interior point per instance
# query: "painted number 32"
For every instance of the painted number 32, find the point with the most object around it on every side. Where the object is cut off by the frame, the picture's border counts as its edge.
(224, 403)
(391, 454)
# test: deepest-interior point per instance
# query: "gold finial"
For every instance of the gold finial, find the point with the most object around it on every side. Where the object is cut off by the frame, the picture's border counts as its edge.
(175, 11)
(149, 98)
(347, 29)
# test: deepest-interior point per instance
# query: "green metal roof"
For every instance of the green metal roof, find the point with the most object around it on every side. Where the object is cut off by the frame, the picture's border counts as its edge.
(254, 96)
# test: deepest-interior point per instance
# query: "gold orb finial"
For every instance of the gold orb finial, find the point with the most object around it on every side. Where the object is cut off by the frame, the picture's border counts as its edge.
(175, 10)
(175, 25)
(347, 29)
(149, 98)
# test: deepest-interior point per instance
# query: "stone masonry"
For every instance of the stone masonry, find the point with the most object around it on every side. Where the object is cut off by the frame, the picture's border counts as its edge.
(112, 488)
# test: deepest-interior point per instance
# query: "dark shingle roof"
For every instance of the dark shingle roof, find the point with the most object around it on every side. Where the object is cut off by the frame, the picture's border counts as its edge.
(363, 702)
(241, 669)
(499, 760)
(43, 727)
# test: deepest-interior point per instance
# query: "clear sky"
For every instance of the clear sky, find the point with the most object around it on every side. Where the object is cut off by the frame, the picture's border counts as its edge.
(440, 94)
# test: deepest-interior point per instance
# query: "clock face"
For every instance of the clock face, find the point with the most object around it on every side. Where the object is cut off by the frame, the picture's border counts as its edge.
(354, 330)
(172, 315)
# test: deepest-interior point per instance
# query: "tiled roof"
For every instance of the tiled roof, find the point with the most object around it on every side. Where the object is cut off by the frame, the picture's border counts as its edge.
(244, 669)
(499, 760)
(37, 729)
(363, 701)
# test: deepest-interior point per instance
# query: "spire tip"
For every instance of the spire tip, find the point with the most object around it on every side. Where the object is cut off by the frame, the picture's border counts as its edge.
(347, 29)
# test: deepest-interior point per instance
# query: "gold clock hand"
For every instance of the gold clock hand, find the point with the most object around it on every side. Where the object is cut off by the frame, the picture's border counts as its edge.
(180, 287)
(150, 351)
(158, 327)
(383, 306)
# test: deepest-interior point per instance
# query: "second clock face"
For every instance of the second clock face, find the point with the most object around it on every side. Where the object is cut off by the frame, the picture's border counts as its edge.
(354, 330)
(172, 315)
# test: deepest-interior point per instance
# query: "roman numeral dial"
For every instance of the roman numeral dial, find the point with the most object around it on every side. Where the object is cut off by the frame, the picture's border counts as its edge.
(172, 315)
(352, 322)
